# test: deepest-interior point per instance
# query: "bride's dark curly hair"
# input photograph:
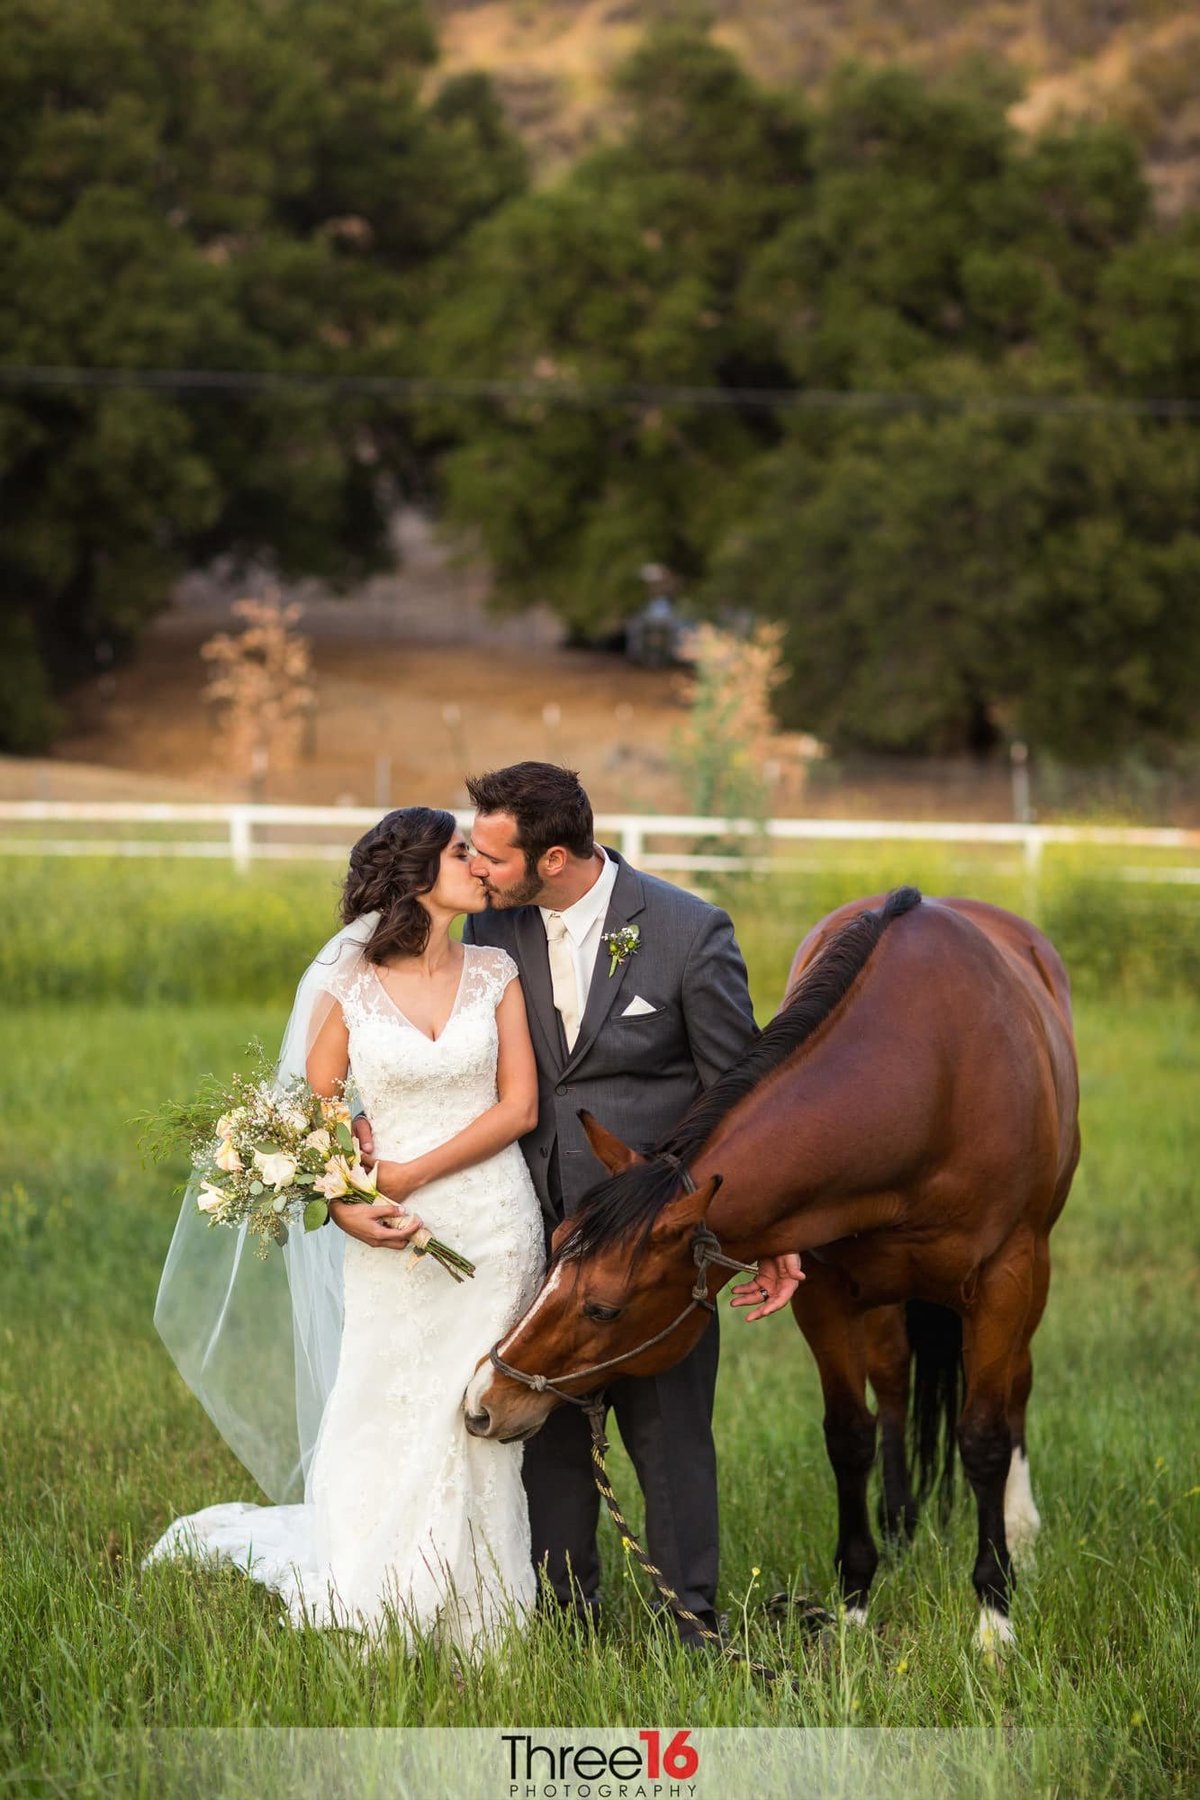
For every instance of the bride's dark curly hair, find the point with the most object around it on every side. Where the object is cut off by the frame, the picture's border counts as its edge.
(389, 866)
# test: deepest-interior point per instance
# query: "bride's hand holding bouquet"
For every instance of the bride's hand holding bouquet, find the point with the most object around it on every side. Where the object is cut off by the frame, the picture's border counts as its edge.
(267, 1153)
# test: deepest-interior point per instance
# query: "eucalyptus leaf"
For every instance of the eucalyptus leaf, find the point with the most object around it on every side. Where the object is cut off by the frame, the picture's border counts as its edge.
(345, 1138)
(315, 1215)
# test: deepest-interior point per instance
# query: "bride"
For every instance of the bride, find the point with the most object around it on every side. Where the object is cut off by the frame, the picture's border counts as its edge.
(405, 1517)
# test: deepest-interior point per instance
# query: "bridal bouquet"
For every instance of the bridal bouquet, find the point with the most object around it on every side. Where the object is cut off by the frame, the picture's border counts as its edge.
(269, 1153)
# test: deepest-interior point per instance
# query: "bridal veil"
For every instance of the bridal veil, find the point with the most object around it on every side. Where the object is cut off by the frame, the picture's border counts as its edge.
(257, 1340)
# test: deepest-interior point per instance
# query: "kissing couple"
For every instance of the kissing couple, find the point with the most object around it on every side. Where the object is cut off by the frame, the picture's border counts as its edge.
(579, 984)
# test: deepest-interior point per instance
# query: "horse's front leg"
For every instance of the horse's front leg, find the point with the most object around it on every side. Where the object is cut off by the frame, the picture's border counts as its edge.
(833, 1328)
(994, 1337)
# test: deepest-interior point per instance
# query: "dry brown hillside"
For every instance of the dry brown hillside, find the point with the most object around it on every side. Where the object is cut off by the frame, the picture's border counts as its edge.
(1136, 61)
(417, 682)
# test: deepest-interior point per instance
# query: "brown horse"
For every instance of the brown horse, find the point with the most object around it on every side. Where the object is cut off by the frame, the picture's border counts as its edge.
(909, 1121)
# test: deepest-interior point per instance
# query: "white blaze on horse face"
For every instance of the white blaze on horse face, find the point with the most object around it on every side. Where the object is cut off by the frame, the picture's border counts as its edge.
(479, 1383)
(477, 1387)
(1022, 1521)
(550, 1287)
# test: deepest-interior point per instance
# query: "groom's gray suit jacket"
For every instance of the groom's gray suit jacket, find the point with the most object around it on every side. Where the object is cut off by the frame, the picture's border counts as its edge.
(639, 1073)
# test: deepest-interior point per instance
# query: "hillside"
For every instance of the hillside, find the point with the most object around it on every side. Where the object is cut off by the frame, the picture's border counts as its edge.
(415, 669)
(1133, 61)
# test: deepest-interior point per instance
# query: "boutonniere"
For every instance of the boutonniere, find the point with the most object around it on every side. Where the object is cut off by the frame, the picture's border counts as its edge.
(621, 945)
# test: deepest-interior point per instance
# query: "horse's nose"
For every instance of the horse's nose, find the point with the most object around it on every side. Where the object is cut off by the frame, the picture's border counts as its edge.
(479, 1424)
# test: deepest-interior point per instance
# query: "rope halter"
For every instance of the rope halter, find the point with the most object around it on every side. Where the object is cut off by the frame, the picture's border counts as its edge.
(706, 1253)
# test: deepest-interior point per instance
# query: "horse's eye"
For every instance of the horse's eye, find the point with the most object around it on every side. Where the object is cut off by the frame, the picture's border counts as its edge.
(603, 1315)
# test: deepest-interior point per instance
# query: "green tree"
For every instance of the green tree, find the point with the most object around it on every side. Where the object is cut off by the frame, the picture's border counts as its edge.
(949, 579)
(624, 273)
(1148, 314)
(1108, 603)
(946, 576)
(935, 232)
(211, 184)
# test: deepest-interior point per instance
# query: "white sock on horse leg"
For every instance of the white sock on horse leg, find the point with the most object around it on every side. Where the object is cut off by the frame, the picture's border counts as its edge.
(995, 1630)
(1022, 1521)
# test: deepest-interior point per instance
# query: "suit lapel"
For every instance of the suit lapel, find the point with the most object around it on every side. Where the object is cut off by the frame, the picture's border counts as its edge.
(533, 960)
(625, 902)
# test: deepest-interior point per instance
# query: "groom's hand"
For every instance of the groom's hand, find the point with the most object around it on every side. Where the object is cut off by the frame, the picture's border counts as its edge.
(363, 1137)
(369, 1222)
(771, 1288)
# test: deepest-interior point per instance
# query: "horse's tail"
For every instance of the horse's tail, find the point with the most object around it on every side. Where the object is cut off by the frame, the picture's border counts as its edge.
(935, 1347)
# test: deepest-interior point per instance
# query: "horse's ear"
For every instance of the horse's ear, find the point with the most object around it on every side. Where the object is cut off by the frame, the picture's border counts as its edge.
(616, 1156)
(561, 1231)
(685, 1212)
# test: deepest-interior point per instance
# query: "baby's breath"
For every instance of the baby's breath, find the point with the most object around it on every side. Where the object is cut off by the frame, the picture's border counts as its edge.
(621, 945)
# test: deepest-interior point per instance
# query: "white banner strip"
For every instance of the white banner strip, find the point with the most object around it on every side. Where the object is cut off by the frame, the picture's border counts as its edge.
(651, 1762)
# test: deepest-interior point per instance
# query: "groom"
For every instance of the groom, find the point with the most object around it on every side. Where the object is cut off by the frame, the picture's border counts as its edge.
(633, 1040)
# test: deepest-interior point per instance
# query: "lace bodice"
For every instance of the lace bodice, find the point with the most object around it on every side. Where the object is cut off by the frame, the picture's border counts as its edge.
(418, 1091)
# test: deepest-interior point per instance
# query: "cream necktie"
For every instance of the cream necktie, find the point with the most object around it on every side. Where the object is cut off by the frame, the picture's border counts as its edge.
(562, 976)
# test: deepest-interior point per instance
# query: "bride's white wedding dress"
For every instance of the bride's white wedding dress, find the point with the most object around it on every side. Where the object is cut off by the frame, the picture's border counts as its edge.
(408, 1517)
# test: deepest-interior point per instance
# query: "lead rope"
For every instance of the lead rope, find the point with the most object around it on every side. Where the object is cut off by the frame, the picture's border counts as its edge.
(595, 1414)
(705, 1250)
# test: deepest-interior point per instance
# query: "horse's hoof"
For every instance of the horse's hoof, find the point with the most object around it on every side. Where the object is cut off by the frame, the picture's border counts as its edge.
(994, 1635)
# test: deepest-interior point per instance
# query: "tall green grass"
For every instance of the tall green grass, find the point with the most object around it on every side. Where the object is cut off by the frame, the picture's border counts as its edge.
(155, 932)
(100, 1444)
(151, 931)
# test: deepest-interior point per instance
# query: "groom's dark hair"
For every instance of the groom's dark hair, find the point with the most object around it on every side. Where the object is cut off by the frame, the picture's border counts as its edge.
(548, 804)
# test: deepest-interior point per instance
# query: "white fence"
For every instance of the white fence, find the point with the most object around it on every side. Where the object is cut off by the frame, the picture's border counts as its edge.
(245, 834)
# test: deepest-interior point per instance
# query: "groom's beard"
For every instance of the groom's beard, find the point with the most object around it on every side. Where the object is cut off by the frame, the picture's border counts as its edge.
(522, 893)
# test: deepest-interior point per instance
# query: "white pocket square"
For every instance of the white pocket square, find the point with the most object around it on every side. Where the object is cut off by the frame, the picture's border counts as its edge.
(638, 1008)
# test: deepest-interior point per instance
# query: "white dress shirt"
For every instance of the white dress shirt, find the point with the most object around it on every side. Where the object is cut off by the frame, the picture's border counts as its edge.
(585, 926)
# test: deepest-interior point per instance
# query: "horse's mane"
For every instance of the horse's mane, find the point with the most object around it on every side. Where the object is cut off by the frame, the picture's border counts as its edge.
(624, 1207)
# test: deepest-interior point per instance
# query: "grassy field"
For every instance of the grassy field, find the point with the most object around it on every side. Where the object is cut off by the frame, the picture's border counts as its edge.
(100, 1445)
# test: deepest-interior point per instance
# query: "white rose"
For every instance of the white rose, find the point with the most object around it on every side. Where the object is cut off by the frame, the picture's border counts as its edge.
(227, 1158)
(319, 1140)
(293, 1116)
(277, 1169)
(210, 1199)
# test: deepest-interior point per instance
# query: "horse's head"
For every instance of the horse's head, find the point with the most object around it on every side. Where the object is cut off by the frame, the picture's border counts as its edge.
(621, 1272)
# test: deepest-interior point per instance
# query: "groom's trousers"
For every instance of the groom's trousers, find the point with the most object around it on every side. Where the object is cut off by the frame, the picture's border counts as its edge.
(666, 1426)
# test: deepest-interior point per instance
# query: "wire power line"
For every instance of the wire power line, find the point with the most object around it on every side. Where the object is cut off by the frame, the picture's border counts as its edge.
(579, 395)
